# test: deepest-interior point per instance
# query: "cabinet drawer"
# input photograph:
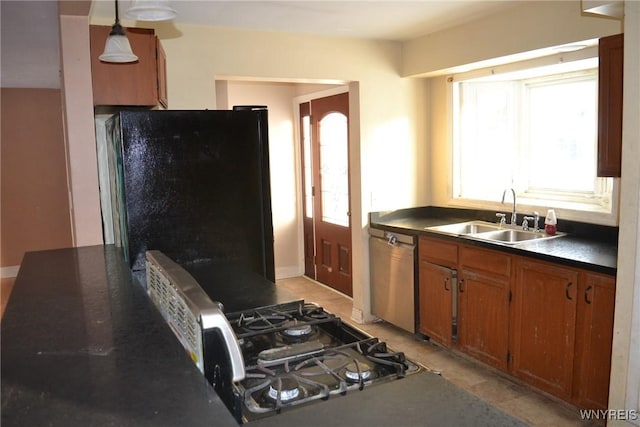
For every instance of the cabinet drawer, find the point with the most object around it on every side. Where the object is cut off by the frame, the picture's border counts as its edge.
(485, 260)
(438, 251)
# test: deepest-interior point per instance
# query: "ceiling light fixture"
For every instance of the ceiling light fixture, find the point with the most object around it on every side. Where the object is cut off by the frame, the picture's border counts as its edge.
(151, 10)
(117, 48)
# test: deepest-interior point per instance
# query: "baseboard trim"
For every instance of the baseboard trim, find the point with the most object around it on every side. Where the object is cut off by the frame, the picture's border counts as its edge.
(8, 272)
(286, 272)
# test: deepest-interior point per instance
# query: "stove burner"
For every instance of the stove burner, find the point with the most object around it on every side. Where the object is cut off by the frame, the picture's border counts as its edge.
(286, 388)
(297, 331)
(262, 322)
(357, 371)
(314, 311)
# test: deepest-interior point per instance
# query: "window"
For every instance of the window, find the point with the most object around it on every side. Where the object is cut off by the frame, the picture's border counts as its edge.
(534, 130)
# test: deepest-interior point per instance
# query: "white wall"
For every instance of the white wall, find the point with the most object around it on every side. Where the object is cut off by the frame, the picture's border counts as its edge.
(491, 41)
(386, 108)
(283, 161)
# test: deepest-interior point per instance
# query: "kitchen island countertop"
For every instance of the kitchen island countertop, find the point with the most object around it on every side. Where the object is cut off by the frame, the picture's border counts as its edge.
(83, 345)
(589, 247)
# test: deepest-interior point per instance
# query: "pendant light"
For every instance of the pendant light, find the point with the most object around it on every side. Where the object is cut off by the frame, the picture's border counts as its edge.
(117, 48)
(151, 10)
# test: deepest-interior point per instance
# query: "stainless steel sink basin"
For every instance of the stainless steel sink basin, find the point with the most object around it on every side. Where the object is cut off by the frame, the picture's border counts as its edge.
(462, 228)
(491, 232)
(512, 236)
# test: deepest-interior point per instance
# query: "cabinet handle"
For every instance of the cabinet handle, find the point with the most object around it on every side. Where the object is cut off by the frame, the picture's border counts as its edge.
(446, 282)
(566, 291)
(586, 294)
(461, 287)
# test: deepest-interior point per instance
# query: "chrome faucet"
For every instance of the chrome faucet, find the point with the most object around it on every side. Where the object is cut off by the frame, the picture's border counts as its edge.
(514, 217)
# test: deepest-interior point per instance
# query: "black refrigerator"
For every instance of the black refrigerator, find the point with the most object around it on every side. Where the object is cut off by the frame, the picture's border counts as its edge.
(194, 185)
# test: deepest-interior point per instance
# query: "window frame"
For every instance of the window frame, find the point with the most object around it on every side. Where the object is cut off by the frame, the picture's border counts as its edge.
(601, 206)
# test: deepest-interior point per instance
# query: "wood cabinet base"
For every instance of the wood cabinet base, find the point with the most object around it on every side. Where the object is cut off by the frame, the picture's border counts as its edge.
(546, 324)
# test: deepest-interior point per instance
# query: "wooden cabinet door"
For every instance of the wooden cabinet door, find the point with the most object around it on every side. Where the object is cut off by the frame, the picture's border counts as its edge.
(133, 83)
(610, 74)
(435, 302)
(543, 325)
(594, 335)
(483, 317)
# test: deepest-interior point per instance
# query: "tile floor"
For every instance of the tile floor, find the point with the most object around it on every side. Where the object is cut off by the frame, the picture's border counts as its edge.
(487, 383)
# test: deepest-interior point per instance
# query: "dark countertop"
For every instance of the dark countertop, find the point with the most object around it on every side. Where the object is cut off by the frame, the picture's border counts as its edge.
(586, 246)
(83, 345)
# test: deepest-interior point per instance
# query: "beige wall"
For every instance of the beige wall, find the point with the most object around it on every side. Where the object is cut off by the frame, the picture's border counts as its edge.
(387, 146)
(77, 96)
(35, 203)
(526, 27)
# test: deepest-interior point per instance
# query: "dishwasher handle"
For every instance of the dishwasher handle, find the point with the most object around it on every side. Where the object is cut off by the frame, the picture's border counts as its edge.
(393, 239)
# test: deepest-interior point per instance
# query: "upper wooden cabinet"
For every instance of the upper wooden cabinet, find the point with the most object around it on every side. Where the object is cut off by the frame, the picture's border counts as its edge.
(610, 74)
(140, 83)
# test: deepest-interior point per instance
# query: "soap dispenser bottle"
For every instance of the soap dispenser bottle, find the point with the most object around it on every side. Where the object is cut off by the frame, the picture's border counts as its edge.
(551, 223)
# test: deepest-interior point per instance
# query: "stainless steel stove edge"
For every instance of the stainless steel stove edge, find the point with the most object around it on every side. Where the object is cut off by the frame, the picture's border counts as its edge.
(207, 312)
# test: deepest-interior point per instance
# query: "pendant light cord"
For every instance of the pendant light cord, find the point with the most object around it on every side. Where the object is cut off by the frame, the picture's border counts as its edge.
(116, 28)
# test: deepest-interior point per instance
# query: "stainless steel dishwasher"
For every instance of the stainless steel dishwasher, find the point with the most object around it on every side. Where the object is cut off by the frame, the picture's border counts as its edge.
(392, 270)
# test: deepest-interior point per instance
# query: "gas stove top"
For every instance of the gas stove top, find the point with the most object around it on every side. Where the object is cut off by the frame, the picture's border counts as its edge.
(271, 359)
(298, 353)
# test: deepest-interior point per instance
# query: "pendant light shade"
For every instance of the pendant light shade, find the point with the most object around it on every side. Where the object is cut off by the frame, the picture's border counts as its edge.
(117, 47)
(151, 10)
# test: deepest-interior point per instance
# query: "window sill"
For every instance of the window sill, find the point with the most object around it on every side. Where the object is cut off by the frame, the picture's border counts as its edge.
(587, 213)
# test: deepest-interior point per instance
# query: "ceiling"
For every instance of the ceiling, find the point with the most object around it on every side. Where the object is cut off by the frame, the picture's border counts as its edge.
(389, 20)
(30, 47)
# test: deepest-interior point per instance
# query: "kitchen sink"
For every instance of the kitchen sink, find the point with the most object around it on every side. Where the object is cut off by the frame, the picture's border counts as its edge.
(462, 228)
(481, 230)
